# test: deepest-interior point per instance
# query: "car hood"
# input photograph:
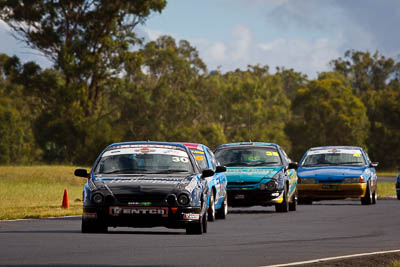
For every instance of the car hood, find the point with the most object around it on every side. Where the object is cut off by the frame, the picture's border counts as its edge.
(147, 184)
(252, 174)
(330, 172)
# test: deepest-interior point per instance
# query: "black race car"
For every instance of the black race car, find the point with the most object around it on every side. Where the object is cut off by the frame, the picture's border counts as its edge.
(145, 184)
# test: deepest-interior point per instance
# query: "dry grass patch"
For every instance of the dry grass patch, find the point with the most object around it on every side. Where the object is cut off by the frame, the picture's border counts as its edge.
(37, 191)
(386, 190)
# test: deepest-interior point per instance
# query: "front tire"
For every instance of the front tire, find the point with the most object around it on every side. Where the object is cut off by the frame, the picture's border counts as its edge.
(205, 225)
(211, 208)
(223, 211)
(367, 199)
(199, 227)
(293, 203)
(93, 227)
(375, 196)
(284, 206)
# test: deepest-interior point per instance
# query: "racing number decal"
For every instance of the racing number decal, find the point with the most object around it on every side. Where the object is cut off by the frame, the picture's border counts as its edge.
(180, 159)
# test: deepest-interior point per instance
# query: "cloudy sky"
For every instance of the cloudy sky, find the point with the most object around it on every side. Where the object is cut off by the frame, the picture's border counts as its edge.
(300, 34)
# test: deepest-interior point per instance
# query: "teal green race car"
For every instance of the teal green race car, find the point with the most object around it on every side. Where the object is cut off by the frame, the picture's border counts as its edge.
(259, 174)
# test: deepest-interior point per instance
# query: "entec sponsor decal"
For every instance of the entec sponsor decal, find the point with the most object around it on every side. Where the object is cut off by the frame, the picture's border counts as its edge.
(117, 211)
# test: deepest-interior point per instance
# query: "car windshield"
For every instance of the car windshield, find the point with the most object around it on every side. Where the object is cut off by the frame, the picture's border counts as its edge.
(248, 156)
(200, 158)
(144, 160)
(333, 157)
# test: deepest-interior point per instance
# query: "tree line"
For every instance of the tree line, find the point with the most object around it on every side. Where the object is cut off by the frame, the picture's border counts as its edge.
(107, 85)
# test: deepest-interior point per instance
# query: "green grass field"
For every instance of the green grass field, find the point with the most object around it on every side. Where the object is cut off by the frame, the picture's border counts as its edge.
(387, 173)
(386, 189)
(37, 191)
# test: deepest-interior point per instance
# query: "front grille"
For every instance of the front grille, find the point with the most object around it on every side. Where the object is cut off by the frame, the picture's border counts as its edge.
(125, 198)
(241, 183)
(330, 181)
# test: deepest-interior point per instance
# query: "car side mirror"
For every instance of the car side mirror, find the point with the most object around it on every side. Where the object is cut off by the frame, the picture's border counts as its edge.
(81, 173)
(207, 173)
(293, 165)
(220, 169)
(374, 164)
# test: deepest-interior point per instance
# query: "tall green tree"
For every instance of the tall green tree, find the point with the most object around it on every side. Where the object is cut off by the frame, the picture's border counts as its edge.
(367, 71)
(291, 81)
(376, 79)
(161, 99)
(87, 40)
(326, 112)
(384, 139)
(17, 143)
(253, 106)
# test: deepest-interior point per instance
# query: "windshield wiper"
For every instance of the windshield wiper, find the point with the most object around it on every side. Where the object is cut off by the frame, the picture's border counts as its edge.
(265, 163)
(231, 164)
(124, 171)
(350, 162)
(316, 165)
(171, 171)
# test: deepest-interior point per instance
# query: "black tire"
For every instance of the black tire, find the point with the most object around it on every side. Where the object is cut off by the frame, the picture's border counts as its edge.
(211, 208)
(223, 211)
(375, 196)
(398, 197)
(86, 227)
(205, 219)
(102, 228)
(293, 203)
(199, 227)
(284, 206)
(367, 199)
(93, 227)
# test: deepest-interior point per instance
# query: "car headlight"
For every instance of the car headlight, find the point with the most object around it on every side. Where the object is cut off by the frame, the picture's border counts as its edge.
(98, 198)
(271, 185)
(307, 181)
(183, 199)
(353, 180)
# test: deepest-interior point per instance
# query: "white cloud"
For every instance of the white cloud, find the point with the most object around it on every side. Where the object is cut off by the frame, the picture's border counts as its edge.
(218, 51)
(271, 45)
(304, 56)
(241, 44)
(151, 34)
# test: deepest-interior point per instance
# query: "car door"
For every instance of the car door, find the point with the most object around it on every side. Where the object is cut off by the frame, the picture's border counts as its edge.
(290, 173)
(220, 178)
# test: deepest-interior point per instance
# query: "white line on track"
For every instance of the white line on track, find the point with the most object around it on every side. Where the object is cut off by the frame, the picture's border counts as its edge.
(332, 258)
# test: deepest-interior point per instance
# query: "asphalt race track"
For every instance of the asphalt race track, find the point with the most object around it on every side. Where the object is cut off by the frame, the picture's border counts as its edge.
(248, 237)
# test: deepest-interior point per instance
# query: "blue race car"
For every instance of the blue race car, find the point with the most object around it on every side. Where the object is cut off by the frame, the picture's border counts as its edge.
(259, 174)
(398, 186)
(337, 172)
(218, 199)
(145, 184)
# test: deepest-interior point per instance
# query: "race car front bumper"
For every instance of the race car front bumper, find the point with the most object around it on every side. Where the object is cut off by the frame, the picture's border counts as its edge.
(129, 216)
(247, 198)
(332, 191)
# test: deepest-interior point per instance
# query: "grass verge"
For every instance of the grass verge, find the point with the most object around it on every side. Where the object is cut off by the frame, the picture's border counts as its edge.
(386, 190)
(387, 173)
(37, 191)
